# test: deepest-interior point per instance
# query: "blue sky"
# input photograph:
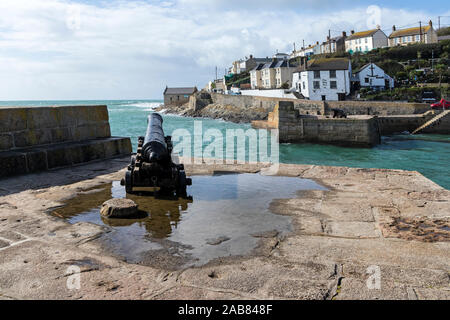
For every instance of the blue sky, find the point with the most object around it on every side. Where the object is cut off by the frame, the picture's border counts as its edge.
(61, 49)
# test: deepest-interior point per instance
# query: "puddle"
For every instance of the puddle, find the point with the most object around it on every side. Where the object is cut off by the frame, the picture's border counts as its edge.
(225, 215)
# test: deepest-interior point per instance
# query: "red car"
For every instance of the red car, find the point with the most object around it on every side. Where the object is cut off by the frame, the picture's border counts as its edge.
(443, 104)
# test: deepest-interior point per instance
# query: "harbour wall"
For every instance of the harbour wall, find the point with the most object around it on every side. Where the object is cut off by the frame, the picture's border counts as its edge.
(41, 138)
(294, 127)
(323, 107)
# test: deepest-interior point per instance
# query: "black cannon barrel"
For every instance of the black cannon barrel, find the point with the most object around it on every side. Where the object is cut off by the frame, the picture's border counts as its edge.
(155, 147)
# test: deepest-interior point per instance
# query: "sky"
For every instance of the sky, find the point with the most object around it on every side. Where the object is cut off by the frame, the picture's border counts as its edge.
(89, 50)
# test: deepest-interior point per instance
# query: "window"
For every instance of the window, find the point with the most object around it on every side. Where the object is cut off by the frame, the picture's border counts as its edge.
(304, 85)
(366, 40)
(332, 73)
(418, 38)
(316, 84)
(333, 85)
(367, 48)
(316, 74)
(366, 80)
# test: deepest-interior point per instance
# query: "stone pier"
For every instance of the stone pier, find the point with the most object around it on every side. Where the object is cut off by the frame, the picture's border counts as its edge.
(40, 138)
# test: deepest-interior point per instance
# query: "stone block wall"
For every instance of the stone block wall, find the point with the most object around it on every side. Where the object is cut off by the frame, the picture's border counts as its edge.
(293, 127)
(311, 107)
(40, 138)
(22, 127)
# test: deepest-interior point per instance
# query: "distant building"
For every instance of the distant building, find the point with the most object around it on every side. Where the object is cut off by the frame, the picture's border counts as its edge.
(306, 52)
(281, 56)
(274, 74)
(255, 76)
(324, 79)
(372, 76)
(178, 96)
(366, 41)
(247, 64)
(332, 45)
(403, 37)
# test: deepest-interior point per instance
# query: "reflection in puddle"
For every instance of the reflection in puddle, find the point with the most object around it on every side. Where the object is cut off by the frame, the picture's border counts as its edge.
(221, 218)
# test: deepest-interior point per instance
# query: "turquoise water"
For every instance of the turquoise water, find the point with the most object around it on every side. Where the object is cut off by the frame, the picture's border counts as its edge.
(428, 154)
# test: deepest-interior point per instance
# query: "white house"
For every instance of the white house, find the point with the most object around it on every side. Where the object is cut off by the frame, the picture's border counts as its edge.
(403, 37)
(324, 79)
(372, 76)
(366, 41)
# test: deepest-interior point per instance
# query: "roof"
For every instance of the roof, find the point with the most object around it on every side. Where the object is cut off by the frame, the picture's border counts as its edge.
(362, 34)
(258, 67)
(276, 64)
(328, 64)
(187, 90)
(409, 32)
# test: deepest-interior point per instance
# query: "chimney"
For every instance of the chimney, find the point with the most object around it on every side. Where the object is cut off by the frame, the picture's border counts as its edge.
(344, 34)
(394, 28)
(317, 42)
(430, 23)
(251, 56)
(378, 27)
(352, 32)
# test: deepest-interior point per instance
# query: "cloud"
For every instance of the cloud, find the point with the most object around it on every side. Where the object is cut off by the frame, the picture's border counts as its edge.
(58, 49)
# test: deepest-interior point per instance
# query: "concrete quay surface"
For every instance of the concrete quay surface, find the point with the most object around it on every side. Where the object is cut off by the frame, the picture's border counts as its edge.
(340, 236)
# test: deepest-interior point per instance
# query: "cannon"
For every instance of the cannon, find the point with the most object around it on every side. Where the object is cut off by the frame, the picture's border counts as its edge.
(339, 113)
(152, 168)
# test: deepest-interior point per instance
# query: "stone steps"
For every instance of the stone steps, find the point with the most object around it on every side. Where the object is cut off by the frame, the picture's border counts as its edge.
(432, 121)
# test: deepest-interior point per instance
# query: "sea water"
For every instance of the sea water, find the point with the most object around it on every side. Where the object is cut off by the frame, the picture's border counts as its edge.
(427, 154)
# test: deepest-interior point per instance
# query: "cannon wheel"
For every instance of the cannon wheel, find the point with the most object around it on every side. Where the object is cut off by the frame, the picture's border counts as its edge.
(128, 182)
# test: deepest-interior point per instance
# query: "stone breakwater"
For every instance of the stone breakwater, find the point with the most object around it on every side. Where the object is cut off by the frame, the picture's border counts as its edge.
(244, 109)
(368, 218)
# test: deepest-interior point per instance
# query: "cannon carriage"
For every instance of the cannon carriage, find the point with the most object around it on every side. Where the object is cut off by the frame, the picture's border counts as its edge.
(152, 168)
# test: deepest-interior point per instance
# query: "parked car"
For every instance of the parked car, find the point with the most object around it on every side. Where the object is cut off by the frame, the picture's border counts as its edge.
(443, 104)
(428, 97)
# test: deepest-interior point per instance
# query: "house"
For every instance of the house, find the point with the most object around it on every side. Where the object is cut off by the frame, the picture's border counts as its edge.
(306, 52)
(255, 76)
(403, 37)
(274, 74)
(324, 79)
(247, 64)
(281, 56)
(373, 77)
(178, 96)
(332, 45)
(366, 41)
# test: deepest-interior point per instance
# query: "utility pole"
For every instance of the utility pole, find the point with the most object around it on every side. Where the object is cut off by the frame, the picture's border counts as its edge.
(432, 61)
(216, 74)
(420, 30)
(303, 43)
(439, 22)
(329, 40)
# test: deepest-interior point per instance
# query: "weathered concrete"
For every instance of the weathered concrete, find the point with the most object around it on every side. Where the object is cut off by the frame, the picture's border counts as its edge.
(337, 235)
(40, 138)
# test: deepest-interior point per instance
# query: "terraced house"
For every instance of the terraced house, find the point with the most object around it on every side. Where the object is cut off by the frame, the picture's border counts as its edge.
(403, 37)
(365, 41)
(272, 75)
